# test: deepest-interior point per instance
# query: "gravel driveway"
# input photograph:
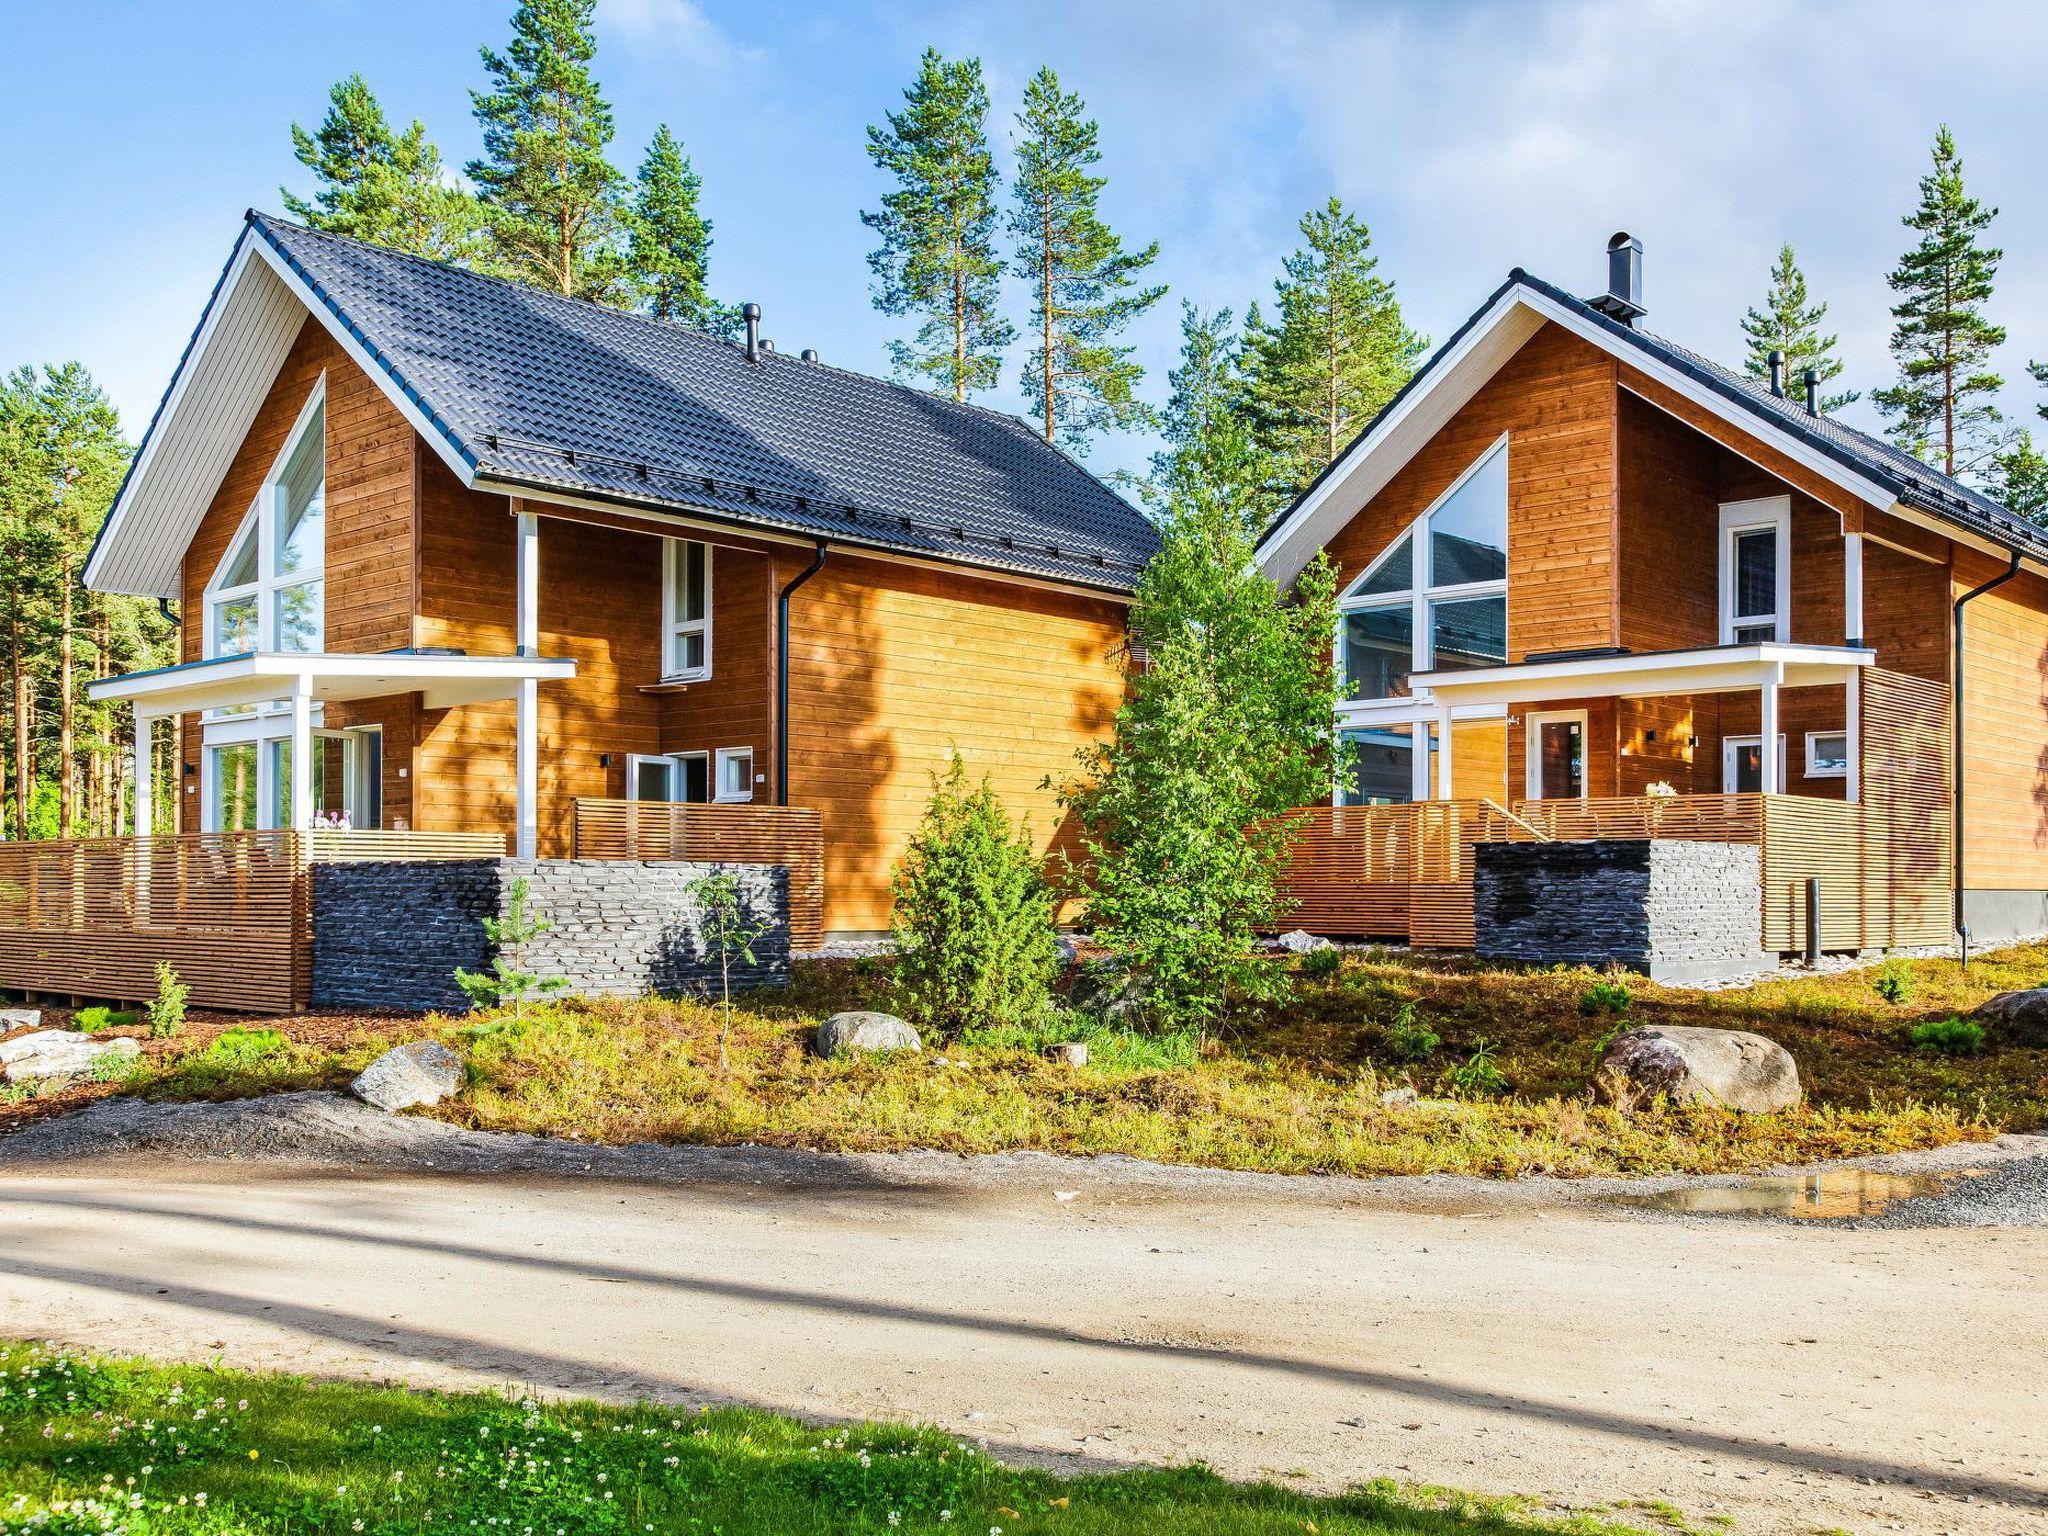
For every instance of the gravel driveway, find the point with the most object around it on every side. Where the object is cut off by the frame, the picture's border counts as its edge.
(1527, 1337)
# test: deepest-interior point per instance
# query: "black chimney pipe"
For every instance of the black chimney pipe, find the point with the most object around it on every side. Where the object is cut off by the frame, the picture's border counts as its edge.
(752, 312)
(1810, 377)
(1777, 373)
(1623, 299)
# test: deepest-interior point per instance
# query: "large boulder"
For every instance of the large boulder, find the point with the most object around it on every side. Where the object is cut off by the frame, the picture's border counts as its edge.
(59, 1053)
(860, 1032)
(418, 1072)
(1727, 1067)
(12, 1019)
(2020, 1018)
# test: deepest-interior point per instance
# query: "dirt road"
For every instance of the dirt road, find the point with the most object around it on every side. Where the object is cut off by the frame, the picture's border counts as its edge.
(1792, 1377)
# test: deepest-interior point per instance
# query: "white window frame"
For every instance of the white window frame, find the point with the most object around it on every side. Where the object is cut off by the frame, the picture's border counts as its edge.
(1532, 758)
(672, 763)
(260, 523)
(1739, 517)
(1812, 757)
(1732, 745)
(723, 756)
(673, 626)
(265, 731)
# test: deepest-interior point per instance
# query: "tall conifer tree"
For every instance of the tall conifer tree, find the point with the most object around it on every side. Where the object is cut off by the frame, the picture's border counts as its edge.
(2019, 478)
(1790, 322)
(1944, 401)
(1203, 423)
(390, 189)
(937, 258)
(670, 246)
(1084, 285)
(1335, 351)
(555, 206)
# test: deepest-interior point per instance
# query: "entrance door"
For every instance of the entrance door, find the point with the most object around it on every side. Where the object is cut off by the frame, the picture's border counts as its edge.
(1742, 764)
(1555, 748)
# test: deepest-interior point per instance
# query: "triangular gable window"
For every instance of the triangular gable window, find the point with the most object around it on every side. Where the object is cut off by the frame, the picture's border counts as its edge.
(267, 592)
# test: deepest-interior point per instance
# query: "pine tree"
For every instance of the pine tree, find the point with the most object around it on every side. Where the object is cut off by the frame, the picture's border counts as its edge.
(670, 249)
(1944, 400)
(1203, 425)
(1084, 285)
(1791, 324)
(1335, 352)
(2019, 478)
(938, 258)
(555, 207)
(388, 189)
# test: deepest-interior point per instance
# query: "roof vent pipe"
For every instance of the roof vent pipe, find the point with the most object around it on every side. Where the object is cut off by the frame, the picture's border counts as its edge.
(809, 354)
(752, 314)
(767, 345)
(1777, 374)
(1623, 299)
(1810, 377)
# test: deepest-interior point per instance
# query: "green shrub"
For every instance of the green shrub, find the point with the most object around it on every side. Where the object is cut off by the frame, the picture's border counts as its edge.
(1320, 963)
(1893, 980)
(973, 924)
(1408, 1039)
(167, 1013)
(1949, 1037)
(242, 1047)
(99, 1016)
(1610, 996)
(1480, 1073)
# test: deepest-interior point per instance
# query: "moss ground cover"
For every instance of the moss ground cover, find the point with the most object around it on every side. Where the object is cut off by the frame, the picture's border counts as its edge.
(1501, 1058)
(107, 1446)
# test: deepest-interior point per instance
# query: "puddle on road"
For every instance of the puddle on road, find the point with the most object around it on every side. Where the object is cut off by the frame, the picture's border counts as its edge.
(1834, 1195)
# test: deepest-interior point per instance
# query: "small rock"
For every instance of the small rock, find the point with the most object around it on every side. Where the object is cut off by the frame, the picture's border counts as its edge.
(1400, 1098)
(1729, 1067)
(1301, 942)
(1073, 1052)
(57, 1053)
(1069, 948)
(859, 1031)
(418, 1072)
(2020, 1017)
(20, 1018)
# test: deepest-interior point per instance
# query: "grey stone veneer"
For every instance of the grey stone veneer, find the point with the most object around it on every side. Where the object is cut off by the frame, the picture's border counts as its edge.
(390, 934)
(1675, 910)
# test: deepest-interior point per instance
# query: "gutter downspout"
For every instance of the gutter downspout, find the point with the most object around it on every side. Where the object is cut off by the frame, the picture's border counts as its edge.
(1963, 928)
(782, 671)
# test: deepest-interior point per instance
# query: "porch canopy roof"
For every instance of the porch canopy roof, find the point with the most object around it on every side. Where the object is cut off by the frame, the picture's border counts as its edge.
(442, 679)
(1647, 674)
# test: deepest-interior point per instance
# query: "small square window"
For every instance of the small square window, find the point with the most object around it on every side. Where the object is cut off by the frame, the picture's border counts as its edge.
(1827, 754)
(735, 773)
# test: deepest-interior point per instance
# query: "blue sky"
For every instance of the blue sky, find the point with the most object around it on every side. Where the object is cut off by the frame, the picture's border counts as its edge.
(1471, 137)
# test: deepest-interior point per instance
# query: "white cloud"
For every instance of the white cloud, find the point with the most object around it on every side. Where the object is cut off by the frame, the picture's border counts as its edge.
(672, 28)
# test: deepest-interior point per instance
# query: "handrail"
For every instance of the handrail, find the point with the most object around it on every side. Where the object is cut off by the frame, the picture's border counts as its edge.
(1530, 827)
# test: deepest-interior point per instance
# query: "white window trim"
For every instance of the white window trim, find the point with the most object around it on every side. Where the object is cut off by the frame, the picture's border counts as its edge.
(260, 522)
(1420, 593)
(1731, 745)
(1532, 759)
(1773, 512)
(672, 626)
(723, 756)
(1813, 772)
(262, 730)
(672, 763)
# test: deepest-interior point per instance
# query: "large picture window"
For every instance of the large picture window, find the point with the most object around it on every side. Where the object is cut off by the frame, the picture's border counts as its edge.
(685, 610)
(1437, 599)
(267, 593)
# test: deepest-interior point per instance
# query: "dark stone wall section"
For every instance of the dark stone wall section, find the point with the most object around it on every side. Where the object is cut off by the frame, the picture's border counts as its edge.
(1673, 909)
(391, 934)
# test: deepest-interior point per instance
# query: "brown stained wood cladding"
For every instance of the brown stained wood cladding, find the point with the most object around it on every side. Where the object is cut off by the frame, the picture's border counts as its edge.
(1906, 612)
(1670, 520)
(1555, 398)
(1479, 761)
(893, 667)
(735, 706)
(2005, 737)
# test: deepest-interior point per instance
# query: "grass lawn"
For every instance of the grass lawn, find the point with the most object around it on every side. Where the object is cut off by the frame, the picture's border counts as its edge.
(89, 1445)
(1292, 1089)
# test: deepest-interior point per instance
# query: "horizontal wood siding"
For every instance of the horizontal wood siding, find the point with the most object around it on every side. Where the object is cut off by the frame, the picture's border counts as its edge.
(2005, 701)
(893, 667)
(791, 836)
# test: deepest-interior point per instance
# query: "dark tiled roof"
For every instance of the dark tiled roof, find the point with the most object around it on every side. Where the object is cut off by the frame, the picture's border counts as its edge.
(554, 393)
(1911, 480)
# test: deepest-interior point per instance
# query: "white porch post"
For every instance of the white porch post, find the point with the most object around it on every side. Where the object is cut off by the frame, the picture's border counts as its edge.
(302, 754)
(1443, 754)
(1418, 767)
(1852, 717)
(1852, 588)
(145, 775)
(526, 839)
(1768, 747)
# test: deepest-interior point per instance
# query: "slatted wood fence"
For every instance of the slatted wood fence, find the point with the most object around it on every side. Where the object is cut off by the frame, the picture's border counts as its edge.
(229, 911)
(792, 836)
